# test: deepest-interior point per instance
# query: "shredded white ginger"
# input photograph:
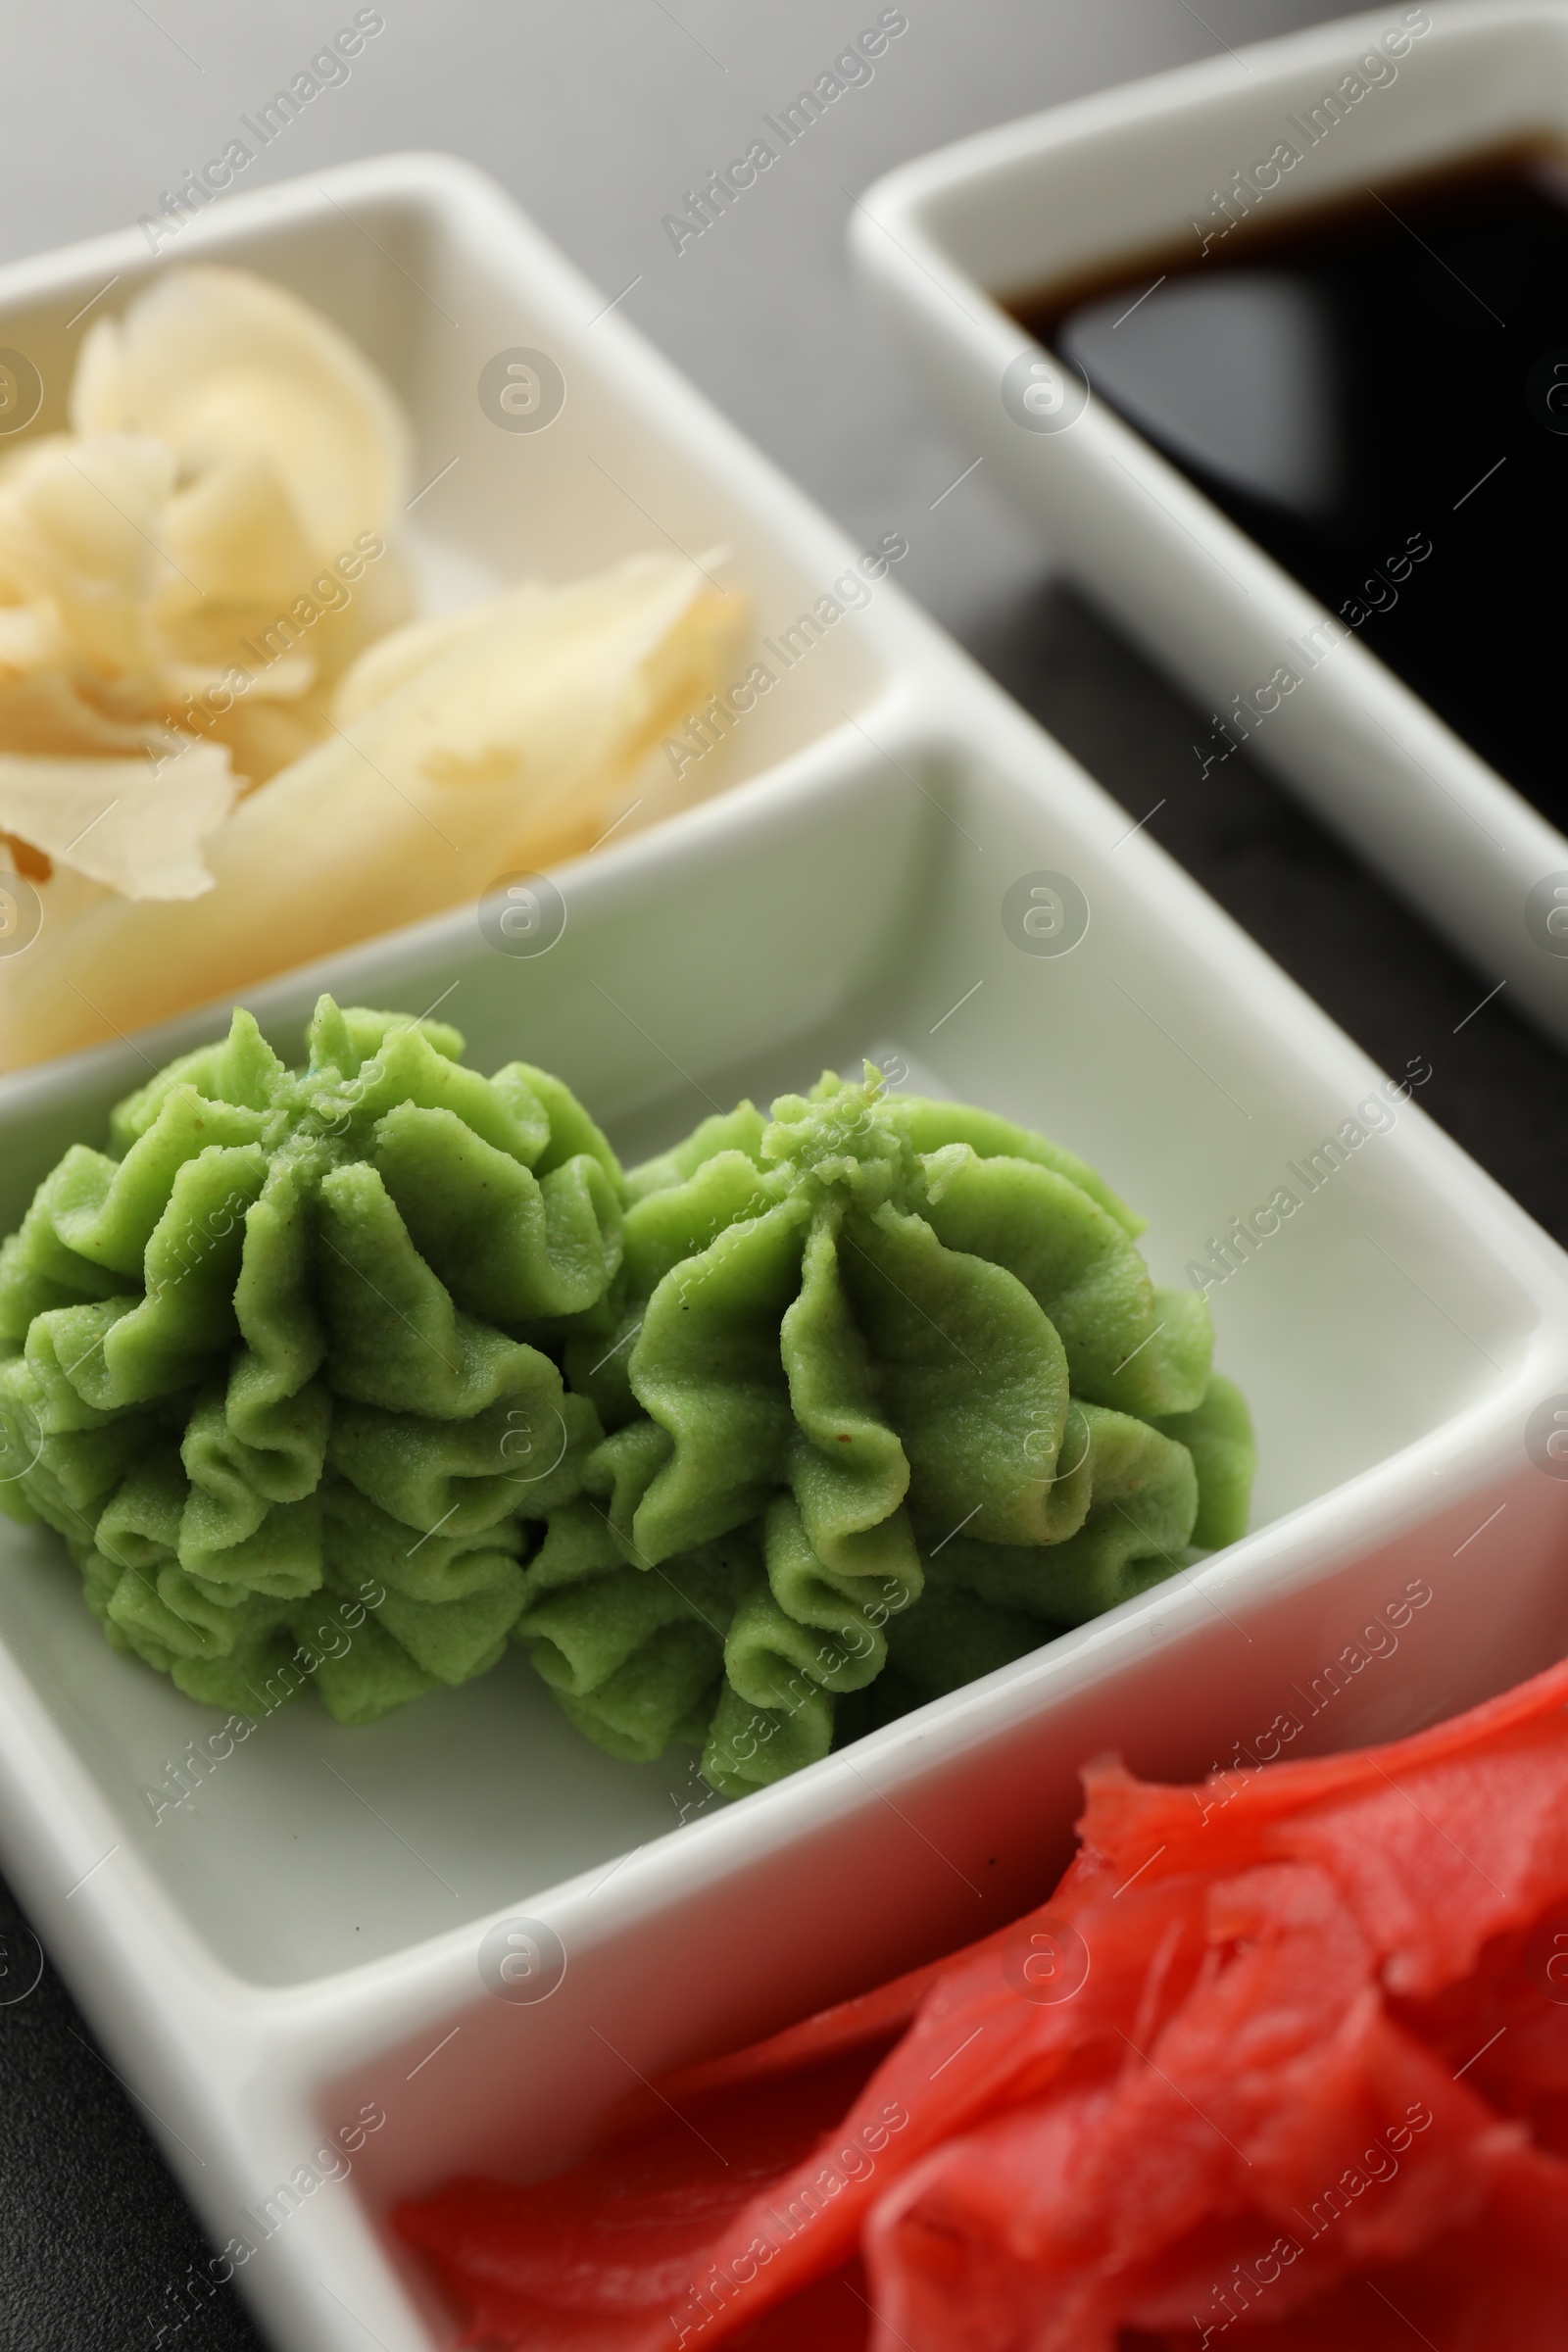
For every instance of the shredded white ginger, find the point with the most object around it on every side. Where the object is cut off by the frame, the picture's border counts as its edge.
(224, 747)
(515, 741)
(199, 557)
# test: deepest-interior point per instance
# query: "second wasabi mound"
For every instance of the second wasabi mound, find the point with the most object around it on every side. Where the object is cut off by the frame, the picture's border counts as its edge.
(892, 1396)
(349, 1374)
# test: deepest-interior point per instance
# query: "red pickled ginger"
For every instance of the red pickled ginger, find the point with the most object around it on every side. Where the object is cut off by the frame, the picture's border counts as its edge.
(1285, 2058)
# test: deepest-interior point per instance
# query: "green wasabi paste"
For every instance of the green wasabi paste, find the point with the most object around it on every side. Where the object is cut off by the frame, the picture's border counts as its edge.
(264, 1360)
(784, 1431)
(891, 1399)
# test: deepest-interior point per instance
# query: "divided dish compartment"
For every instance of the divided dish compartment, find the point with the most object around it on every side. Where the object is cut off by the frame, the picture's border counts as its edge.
(424, 265)
(1128, 180)
(826, 916)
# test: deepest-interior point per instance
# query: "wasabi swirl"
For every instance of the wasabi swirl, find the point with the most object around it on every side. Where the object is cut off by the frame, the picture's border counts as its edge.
(764, 1442)
(895, 1369)
(274, 1354)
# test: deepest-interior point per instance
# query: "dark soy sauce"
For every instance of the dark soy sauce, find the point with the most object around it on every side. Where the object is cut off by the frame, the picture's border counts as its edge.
(1377, 392)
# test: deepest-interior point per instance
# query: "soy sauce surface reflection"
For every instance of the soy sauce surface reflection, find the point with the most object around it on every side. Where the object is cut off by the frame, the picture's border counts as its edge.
(1351, 383)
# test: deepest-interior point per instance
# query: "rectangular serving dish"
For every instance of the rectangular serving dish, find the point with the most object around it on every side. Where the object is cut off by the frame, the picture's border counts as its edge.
(292, 1965)
(945, 241)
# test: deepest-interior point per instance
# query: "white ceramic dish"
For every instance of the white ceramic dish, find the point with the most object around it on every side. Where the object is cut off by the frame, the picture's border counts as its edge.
(298, 1949)
(1116, 177)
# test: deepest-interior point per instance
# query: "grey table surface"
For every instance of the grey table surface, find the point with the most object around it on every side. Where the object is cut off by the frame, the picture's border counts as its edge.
(597, 115)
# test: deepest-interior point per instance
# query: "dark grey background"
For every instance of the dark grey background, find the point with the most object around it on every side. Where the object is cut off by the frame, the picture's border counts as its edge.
(597, 115)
